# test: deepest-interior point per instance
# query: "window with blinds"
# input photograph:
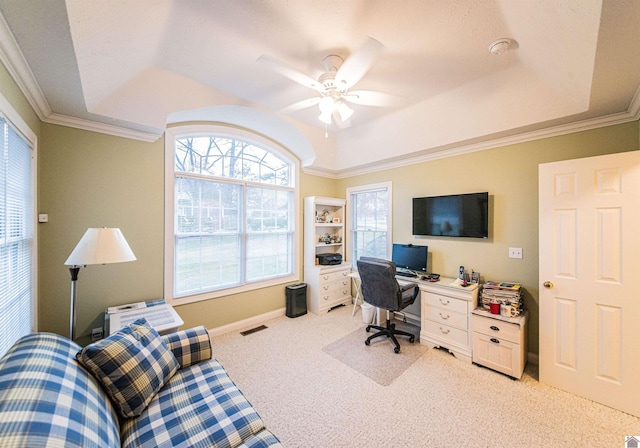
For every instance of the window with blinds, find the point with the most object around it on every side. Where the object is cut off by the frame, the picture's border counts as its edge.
(370, 221)
(233, 215)
(16, 237)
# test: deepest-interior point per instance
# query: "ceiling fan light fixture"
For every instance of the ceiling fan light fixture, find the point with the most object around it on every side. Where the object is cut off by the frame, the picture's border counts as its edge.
(327, 105)
(325, 117)
(344, 110)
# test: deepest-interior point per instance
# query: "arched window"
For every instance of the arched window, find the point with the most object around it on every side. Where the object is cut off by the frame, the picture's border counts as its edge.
(231, 213)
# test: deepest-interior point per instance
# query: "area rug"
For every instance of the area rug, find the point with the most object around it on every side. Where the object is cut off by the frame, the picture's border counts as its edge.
(377, 361)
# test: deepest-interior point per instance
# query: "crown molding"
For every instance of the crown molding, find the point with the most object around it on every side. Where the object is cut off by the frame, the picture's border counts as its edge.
(94, 126)
(454, 150)
(17, 66)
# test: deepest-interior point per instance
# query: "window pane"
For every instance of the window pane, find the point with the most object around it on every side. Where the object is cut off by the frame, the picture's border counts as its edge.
(369, 227)
(208, 249)
(204, 263)
(230, 158)
(16, 237)
(269, 233)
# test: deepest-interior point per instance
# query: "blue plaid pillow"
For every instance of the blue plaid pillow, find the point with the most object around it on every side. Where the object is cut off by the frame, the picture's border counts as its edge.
(132, 365)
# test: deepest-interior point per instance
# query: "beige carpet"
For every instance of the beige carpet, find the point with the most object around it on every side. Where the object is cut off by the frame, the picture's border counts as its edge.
(310, 399)
(377, 361)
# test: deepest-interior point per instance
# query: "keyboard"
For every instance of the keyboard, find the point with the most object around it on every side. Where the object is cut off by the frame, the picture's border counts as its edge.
(406, 274)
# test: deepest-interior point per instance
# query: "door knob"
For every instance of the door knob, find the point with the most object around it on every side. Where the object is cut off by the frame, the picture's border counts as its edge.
(548, 284)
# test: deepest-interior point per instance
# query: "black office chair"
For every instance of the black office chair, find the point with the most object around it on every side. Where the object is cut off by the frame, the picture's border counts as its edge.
(381, 289)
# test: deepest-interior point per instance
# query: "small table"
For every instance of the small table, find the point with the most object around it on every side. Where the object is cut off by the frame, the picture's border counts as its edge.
(356, 280)
(160, 316)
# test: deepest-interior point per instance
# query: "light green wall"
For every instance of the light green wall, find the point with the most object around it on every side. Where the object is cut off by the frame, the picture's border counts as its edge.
(510, 175)
(94, 180)
(87, 179)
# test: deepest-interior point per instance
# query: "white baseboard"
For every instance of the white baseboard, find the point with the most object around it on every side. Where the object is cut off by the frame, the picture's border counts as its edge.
(248, 323)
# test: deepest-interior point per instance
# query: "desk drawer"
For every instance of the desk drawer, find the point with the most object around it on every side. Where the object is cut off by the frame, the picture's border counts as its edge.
(441, 331)
(445, 302)
(446, 317)
(495, 328)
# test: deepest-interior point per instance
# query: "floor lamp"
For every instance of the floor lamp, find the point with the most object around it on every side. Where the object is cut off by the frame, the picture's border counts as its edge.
(97, 246)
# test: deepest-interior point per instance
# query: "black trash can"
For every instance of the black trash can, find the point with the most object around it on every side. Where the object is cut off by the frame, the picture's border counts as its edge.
(296, 299)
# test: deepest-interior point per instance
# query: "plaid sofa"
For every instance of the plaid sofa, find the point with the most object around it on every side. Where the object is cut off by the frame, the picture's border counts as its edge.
(47, 399)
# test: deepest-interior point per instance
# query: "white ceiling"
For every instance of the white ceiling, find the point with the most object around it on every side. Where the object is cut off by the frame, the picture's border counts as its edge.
(131, 67)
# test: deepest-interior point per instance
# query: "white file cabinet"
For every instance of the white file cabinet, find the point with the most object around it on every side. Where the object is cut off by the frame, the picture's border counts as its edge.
(445, 316)
(500, 343)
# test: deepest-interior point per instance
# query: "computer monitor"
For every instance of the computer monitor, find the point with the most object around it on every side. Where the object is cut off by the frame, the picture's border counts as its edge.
(410, 257)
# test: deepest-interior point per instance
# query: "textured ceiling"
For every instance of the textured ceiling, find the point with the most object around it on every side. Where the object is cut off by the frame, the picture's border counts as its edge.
(138, 65)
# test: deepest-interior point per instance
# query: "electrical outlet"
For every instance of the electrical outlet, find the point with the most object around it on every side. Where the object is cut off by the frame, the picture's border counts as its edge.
(96, 334)
(515, 252)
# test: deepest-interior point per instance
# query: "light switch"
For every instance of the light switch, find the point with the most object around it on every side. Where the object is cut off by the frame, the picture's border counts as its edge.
(43, 217)
(515, 252)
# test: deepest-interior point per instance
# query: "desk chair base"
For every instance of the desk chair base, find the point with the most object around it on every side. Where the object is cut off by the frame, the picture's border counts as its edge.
(390, 332)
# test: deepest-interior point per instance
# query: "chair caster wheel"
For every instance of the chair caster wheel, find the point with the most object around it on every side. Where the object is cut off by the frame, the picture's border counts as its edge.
(397, 350)
(368, 329)
(412, 339)
(367, 342)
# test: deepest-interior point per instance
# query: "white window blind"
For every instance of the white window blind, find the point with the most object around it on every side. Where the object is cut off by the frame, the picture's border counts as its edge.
(16, 237)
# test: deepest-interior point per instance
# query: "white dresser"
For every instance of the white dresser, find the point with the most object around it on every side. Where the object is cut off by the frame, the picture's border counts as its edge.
(446, 316)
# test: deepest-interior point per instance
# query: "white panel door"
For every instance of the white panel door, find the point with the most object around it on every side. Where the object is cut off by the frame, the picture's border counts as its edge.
(589, 271)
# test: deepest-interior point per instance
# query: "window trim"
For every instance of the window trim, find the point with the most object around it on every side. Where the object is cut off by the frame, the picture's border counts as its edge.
(171, 134)
(388, 186)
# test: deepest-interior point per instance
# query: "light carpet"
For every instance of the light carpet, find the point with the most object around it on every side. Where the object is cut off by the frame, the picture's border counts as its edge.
(310, 399)
(377, 361)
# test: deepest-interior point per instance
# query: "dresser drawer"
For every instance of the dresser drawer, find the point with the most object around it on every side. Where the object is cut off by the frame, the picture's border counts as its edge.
(498, 354)
(446, 317)
(445, 302)
(505, 331)
(445, 332)
(330, 277)
(335, 284)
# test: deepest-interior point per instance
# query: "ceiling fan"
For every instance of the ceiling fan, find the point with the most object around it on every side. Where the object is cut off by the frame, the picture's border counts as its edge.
(334, 85)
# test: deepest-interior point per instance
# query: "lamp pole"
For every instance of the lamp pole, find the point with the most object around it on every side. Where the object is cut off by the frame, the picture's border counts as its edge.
(73, 270)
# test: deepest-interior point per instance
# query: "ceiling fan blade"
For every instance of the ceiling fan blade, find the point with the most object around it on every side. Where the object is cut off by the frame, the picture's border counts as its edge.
(370, 98)
(302, 104)
(291, 73)
(359, 63)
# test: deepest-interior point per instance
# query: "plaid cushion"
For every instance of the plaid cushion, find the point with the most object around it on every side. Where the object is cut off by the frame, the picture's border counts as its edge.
(48, 400)
(132, 365)
(262, 440)
(199, 406)
(189, 346)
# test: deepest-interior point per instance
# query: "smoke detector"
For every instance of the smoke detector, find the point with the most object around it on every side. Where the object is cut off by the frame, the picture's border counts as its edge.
(500, 46)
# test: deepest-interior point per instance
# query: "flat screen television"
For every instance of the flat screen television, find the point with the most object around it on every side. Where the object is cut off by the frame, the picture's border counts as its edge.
(458, 215)
(410, 257)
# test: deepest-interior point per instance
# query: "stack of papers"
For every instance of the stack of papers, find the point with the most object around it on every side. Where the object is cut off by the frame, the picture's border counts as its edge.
(506, 293)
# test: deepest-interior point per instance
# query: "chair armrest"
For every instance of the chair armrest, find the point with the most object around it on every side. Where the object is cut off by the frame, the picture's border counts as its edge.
(406, 286)
(190, 346)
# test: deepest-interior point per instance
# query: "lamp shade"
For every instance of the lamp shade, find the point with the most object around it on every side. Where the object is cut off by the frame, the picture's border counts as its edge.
(101, 246)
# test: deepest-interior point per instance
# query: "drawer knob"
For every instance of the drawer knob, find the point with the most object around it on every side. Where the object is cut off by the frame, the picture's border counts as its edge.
(325, 287)
(444, 302)
(443, 316)
(445, 331)
(495, 341)
(494, 328)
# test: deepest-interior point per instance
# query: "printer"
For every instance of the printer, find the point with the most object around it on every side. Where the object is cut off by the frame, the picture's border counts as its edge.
(329, 259)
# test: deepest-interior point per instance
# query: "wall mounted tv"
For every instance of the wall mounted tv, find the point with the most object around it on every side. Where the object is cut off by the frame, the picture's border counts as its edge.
(458, 215)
